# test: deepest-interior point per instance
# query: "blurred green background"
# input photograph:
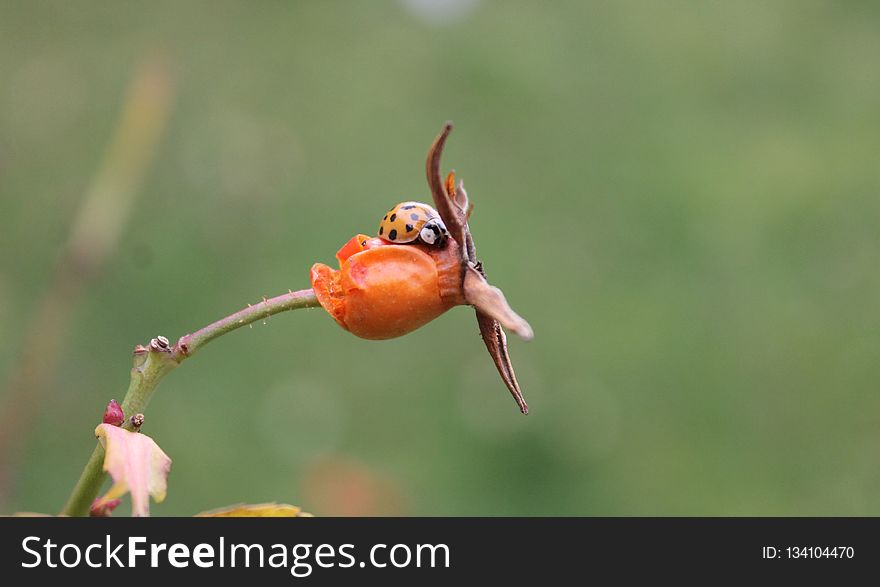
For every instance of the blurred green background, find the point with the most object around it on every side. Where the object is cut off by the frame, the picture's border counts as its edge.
(682, 197)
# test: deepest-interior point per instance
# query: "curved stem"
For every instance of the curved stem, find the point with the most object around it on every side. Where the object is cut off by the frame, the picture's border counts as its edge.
(190, 343)
(155, 361)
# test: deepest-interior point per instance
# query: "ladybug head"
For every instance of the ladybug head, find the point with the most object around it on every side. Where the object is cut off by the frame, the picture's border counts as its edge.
(434, 233)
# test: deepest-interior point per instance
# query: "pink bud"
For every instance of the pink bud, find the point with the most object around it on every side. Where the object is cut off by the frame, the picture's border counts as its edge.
(113, 414)
(103, 509)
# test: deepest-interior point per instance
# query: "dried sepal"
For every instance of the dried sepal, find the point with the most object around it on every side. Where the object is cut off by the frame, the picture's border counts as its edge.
(453, 212)
(451, 202)
(496, 343)
(491, 301)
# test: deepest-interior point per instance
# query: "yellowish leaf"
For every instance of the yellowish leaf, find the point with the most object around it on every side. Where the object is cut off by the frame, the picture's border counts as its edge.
(260, 510)
(137, 466)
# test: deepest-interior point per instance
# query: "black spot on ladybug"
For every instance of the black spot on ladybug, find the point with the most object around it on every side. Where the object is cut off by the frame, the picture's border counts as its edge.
(363, 243)
(381, 230)
(393, 217)
(386, 217)
(409, 227)
(392, 234)
(414, 216)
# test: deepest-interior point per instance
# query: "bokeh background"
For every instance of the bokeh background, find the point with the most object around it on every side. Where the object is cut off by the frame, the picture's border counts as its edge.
(682, 197)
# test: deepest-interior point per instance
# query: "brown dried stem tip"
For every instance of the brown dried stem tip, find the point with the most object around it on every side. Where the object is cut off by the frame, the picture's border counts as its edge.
(491, 307)
(137, 421)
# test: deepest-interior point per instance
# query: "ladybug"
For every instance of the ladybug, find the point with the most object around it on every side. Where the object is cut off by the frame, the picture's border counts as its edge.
(413, 221)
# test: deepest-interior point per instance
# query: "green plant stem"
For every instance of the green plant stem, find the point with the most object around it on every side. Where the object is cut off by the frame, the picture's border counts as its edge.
(99, 223)
(153, 362)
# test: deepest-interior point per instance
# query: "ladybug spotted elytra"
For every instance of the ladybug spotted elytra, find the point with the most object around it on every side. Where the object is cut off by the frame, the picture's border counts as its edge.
(413, 221)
